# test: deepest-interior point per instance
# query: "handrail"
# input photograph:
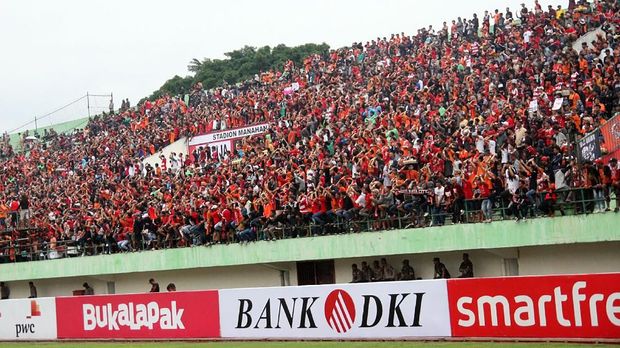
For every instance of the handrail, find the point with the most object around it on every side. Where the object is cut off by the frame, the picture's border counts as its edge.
(570, 201)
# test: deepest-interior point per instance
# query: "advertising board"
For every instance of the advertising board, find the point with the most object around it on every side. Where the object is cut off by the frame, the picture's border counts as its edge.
(192, 314)
(571, 306)
(224, 141)
(344, 311)
(28, 319)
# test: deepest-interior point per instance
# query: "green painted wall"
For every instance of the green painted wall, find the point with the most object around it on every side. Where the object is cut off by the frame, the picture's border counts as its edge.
(504, 234)
(63, 127)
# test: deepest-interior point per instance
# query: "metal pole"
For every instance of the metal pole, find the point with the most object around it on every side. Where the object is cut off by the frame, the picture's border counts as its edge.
(88, 104)
(35, 124)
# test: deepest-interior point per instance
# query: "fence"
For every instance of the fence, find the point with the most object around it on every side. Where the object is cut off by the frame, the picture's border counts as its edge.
(30, 244)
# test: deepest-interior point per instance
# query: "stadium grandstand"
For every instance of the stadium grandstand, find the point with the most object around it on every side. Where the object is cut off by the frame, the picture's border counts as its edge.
(487, 133)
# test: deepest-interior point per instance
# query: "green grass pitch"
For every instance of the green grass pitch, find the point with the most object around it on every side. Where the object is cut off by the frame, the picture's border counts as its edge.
(298, 344)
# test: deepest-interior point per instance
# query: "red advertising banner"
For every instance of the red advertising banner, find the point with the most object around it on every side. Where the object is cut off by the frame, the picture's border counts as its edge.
(569, 306)
(611, 134)
(169, 315)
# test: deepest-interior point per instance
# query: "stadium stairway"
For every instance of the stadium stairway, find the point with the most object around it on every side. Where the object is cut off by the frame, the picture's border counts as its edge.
(179, 146)
(588, 38)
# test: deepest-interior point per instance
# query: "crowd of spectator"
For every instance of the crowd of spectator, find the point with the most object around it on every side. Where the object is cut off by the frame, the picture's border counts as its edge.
(382, 271)
(420, 128)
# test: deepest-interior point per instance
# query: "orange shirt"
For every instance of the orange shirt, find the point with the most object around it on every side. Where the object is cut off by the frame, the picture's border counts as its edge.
(267, 209)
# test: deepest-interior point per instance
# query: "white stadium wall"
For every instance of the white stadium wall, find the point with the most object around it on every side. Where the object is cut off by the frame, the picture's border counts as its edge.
(558, 259)
(191, 279)
(570, 258)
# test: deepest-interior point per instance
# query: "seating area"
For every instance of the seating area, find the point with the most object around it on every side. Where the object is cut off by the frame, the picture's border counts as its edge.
(474, 122)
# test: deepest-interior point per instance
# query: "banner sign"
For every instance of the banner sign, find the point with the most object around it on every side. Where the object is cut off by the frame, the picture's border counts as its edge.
(344, 311)
(611, 134)
(230, 134)
(580, 307)
(574, 306)
(28, 319)
(193, 314)
(589, 147)
(223, 141)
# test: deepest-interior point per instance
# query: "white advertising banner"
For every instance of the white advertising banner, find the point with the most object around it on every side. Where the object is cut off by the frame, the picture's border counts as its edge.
(229, 134)
(28, 319)
(343, 311)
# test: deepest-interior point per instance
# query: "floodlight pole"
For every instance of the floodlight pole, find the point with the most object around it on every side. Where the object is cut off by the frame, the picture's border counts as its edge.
(88, 104)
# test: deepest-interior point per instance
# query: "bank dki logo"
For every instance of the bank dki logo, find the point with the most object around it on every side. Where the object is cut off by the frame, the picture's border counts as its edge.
(340, 311)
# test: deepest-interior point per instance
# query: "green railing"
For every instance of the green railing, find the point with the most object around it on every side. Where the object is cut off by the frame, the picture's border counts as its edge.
(30, 246)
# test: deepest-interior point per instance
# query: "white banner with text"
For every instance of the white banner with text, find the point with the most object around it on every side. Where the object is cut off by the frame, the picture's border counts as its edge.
(28, 319)
(347, 311)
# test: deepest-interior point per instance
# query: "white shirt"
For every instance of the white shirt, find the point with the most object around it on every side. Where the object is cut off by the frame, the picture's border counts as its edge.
(504, 155)
(492, 145)
(480, 144)
(439, 193)
(386, 176)
(512, 184)
(361, 200)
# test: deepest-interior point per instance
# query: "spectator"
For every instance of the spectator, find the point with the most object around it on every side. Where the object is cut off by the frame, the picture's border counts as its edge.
(33, 290)
(438, 110)
(377, 272)
(548, 204)
(4, 215)
(24, 210)
(441, 272)
(5, 292)
(88, 290)
(407, 272)
(466, 268)
(154, 285)
(389, 273)
(438, 204)
(595, 181)
(518, 203)
(614, 169)
(484, 192)
(367, 273)
(356, 276)
(170, 287)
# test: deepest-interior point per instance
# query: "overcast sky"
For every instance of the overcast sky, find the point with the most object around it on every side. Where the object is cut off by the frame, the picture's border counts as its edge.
(53, 52)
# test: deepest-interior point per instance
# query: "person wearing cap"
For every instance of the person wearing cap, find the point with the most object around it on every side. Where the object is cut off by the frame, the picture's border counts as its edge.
(441, 272)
